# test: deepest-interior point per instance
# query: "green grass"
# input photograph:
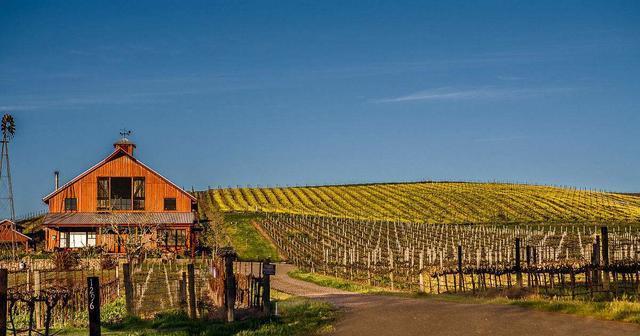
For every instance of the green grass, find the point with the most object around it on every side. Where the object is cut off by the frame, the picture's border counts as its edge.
(333, 282)
(248, 242)
(298, 316)
(617, 310)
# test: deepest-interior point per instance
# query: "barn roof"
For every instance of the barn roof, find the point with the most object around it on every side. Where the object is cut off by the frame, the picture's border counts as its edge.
(118, 218)
(116, 152)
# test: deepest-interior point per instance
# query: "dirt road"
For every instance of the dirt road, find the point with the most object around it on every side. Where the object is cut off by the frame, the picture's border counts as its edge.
(387, 315)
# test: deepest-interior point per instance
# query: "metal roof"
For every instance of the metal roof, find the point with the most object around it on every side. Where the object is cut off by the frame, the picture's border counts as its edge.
(118, 218)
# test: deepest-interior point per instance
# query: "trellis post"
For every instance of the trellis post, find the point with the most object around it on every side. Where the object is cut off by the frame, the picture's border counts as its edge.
(517, 266)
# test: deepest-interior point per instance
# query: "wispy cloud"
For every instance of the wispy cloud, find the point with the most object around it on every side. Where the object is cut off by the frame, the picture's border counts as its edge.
(447, 93)
(72, 101)
(17, 107)
(30, 102)
(502, 138)
(509, 78)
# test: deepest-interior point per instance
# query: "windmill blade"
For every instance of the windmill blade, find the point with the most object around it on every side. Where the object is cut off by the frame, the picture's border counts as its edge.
(8, 126)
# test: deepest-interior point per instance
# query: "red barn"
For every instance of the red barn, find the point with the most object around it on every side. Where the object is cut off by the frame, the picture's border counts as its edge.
(115, 199)
(9, 235)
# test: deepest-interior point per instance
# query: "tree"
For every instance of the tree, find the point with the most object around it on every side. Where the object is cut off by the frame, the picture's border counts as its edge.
(134, 239)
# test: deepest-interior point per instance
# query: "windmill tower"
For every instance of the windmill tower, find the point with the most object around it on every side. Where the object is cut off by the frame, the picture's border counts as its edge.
(6, 188)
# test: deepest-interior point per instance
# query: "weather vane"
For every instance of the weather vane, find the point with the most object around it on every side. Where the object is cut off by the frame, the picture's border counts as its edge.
(125, 132)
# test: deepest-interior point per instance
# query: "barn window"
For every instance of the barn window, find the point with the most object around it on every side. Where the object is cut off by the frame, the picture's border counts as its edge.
(70, 204)
(64, 238)
(103, 193)
(170, 204)
(138, 193)
(181, 238)
(164, 234)
(172, 238)
(120, 193)
(77, 239)
(91, 239)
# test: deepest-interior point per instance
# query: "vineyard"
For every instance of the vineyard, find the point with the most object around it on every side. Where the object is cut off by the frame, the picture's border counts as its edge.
(432, 202)
(557, 260)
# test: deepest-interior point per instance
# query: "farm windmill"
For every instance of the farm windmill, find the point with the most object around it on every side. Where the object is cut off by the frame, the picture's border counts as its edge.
(6, 187)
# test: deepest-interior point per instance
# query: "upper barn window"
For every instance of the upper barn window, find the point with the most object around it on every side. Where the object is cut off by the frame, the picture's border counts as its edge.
(70, 204)
(170, 204)
(138, 193)
(121, 193)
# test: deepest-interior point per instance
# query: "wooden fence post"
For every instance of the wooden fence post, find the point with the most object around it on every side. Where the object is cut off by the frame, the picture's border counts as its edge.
(4, 282)
(605, 245)
(460, 273)
(93, 295)
(421, 276)
(266, 290)
(192, 291)
(528, 252)
(183, 290)
(229, 284)
(37, 309)
(595, 262)
(128, 288)
(605, 257)
(517, 268)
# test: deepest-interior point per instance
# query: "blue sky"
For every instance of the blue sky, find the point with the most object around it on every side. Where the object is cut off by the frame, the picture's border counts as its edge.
(315, 92)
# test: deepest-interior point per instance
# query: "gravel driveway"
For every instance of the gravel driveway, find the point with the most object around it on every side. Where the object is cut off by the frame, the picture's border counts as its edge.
(389, 315)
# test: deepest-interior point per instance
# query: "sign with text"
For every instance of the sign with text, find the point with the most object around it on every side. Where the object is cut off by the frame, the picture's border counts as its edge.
(269, 269)
(93, 289)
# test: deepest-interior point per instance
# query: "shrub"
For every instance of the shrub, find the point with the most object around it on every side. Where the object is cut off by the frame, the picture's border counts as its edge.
(90, 251)
(65, 260)
(113, 313)
(108, 262)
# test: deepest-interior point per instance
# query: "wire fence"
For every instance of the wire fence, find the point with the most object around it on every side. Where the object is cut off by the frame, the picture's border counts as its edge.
(41, 297)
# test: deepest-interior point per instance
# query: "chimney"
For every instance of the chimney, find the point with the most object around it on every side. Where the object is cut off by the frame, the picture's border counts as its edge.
(56, 179)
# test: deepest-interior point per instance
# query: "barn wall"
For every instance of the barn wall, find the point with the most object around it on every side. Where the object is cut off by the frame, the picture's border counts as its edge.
(156, 189)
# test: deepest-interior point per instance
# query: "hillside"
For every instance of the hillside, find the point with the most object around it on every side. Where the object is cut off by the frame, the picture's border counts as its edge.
(432, 202)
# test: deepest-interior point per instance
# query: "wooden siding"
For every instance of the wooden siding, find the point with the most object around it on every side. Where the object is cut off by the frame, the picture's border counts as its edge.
(156, 189)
